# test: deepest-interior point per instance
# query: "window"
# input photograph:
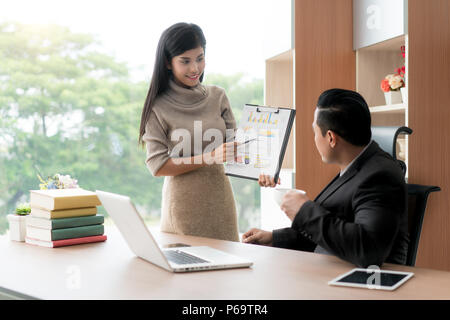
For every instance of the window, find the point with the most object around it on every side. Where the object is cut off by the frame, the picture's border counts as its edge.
(73, 83)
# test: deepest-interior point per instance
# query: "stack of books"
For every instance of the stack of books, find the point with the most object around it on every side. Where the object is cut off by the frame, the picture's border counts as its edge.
(63, 217)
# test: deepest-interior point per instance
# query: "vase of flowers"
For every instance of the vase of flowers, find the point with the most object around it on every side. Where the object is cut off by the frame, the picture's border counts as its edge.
(391, 85)
(58, 181)
(17, 222)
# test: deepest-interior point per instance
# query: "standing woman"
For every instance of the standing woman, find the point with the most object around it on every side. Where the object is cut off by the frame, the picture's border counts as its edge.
(197, 195)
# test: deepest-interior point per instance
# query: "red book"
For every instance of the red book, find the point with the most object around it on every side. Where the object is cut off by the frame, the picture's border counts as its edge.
(65, 242)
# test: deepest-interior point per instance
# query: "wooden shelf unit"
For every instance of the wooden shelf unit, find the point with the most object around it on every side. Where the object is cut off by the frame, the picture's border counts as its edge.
(399, 108)
(373, 63)
(279, 92)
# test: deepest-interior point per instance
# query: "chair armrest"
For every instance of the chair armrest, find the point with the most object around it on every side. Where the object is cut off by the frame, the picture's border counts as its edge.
(416, 189)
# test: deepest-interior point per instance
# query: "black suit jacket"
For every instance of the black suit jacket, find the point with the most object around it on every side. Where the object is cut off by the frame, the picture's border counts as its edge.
(360, 217)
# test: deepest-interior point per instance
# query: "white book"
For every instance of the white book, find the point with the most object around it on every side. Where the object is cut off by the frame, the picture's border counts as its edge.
(39, 233)
(48, 244)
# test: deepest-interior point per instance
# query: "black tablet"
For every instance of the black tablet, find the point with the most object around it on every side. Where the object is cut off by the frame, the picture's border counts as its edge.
(372, 279)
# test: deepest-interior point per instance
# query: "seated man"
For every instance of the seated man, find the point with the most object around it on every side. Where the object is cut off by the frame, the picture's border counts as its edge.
(361, 215)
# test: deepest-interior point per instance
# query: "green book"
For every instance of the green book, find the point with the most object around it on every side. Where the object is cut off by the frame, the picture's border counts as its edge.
(66, 233)
(64, 222)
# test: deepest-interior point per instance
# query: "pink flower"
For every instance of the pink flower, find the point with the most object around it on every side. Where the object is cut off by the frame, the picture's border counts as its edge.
(385, 87)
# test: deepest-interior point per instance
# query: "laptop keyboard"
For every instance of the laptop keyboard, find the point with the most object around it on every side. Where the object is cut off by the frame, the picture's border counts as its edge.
(180, 257)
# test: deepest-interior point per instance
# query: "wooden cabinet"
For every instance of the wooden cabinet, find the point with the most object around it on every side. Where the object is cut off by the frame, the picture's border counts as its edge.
(324, 57)
(429, 117)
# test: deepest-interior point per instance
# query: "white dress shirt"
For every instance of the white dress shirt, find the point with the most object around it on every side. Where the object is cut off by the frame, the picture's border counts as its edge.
(348, 166)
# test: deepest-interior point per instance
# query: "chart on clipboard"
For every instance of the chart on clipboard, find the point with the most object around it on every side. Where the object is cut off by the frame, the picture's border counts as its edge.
(263, 133)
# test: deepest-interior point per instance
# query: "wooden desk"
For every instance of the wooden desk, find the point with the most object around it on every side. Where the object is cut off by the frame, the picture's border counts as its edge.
(110, 270)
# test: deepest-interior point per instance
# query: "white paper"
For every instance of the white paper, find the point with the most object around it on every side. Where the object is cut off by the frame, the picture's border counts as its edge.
(261, 155)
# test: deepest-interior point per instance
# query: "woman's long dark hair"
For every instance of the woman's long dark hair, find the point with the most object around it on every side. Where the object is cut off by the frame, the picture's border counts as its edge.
(174, 41)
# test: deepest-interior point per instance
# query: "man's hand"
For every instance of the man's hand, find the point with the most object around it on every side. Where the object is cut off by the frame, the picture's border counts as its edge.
(292, 203)
(258, 236)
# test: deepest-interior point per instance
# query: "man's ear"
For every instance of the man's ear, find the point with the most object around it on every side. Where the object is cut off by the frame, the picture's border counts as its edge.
(332, 138)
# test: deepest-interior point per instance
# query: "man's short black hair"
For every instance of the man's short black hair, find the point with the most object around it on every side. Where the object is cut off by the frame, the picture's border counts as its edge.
(346, 113)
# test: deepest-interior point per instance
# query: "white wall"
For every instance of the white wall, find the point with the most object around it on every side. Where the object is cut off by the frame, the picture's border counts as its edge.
(278, 27)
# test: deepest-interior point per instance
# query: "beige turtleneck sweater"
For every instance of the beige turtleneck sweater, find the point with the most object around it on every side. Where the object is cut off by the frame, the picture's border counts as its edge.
(177, 110)
(199, 202)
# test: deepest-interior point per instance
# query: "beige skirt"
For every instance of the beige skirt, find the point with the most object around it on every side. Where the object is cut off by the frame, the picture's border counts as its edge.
(200, 203)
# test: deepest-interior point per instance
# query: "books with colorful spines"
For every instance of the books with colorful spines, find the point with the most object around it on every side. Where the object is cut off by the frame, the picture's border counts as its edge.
(65, 213)
(62, 223)
(65, 233)
(57, 199)
(65, 242)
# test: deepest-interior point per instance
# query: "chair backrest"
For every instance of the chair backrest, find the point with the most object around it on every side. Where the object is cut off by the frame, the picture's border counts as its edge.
(386, 137)
(417, 203)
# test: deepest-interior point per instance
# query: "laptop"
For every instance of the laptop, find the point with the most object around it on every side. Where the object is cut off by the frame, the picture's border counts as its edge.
(141, 242)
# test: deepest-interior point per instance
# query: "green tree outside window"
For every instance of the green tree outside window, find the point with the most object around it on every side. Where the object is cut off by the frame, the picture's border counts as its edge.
(66, 107)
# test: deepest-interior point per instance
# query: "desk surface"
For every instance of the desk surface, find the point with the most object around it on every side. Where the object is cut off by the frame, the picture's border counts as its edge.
(109, 270)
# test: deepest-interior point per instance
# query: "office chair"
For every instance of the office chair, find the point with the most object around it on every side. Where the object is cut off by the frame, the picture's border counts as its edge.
(417, 203)
(386, 137)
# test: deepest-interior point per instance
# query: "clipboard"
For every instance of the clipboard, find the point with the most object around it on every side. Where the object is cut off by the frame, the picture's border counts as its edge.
(264, 134)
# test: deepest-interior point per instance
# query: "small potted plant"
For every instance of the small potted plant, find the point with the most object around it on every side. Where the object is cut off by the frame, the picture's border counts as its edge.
(17, 222)
(391, 85)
